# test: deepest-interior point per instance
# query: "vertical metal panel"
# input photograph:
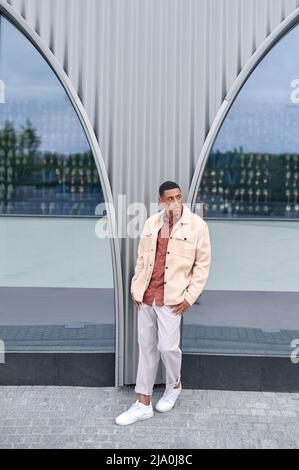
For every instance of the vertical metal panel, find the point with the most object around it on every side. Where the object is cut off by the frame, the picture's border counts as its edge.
(152, 75)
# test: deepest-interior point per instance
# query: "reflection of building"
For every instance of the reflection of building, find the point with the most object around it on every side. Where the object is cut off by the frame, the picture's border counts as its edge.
(155, 105)
(235, 184)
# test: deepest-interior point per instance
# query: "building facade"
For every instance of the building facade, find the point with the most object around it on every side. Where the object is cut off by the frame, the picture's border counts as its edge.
(100, 102)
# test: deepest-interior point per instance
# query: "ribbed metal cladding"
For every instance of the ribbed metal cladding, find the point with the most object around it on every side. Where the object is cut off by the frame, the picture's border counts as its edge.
(152, 75)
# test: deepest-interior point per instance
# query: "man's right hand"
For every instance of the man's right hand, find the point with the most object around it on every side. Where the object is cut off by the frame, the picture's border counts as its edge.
(136, 303)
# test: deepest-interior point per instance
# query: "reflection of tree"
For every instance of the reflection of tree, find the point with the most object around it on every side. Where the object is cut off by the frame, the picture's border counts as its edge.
(8, 146)
(44, 180)
(28, 143)
(8, 137)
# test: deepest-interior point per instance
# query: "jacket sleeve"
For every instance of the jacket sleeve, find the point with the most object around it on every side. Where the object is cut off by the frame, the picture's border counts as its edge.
(201, 266)
(140, 259)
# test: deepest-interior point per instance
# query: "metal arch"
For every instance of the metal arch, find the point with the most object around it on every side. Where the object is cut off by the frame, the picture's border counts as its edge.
(21, 24)
(247, 70)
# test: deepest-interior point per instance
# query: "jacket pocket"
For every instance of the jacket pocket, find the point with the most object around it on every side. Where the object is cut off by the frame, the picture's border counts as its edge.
(184, 245)
(148, 241)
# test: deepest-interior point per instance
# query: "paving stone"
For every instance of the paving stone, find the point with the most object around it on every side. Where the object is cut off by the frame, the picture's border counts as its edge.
(78, 417)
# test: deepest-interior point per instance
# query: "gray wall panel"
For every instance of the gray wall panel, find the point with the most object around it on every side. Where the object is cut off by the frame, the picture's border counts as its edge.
(152, 75)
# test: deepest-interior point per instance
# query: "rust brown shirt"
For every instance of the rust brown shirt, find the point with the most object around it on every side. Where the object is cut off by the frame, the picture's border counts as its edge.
(155, 288)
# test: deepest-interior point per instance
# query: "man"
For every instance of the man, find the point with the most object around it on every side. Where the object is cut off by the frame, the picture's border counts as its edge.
(172, 268)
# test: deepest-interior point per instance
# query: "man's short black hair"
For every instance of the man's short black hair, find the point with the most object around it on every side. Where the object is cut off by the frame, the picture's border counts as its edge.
(167, 185)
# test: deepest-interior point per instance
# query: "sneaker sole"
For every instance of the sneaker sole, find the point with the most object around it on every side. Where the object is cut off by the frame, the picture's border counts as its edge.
(164, 411)
(135, 420)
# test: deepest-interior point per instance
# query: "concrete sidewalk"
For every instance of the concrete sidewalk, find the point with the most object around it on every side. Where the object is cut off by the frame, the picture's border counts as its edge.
(76, 417)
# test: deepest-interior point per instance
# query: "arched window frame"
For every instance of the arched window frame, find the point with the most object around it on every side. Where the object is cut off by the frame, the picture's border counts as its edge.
(19, 22)
(281, 30)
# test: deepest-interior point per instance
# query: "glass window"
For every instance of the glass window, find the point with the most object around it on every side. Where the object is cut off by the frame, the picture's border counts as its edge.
(250, 191)
(46, 165)
(253, 167)
(56, 277)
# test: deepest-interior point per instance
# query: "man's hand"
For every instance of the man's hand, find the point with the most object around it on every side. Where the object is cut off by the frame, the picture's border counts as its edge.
(136, 303)
(181, 308)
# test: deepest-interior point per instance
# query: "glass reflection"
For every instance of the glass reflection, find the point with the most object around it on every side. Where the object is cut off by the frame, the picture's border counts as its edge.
(250, 190)
(252, 170)
(56, 276)
(46, 165)
(235, 184)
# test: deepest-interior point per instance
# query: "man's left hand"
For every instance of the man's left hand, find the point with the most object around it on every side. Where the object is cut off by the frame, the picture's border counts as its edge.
(181, 308)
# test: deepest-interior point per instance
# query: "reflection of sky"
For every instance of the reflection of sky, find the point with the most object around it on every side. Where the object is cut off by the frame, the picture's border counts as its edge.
(263, 118)
(33, 91)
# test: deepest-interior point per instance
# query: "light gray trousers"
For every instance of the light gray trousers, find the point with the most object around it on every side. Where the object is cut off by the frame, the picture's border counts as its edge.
(158, 336)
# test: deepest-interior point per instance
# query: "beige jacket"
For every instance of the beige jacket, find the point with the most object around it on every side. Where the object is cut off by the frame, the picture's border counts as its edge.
(188, 258)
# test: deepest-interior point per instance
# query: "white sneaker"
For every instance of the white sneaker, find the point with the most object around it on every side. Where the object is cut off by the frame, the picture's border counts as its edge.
(168, 399)
(136, 412)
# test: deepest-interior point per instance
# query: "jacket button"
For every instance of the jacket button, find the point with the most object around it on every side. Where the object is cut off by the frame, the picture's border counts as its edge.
(185, 238)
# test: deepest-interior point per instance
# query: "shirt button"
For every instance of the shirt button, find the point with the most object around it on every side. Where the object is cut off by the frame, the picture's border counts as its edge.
(166, 267)
(185, 238)
(168, 252)
(165, 282)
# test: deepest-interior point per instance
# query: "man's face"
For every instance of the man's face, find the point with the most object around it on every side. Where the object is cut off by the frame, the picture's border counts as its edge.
(172, 200)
